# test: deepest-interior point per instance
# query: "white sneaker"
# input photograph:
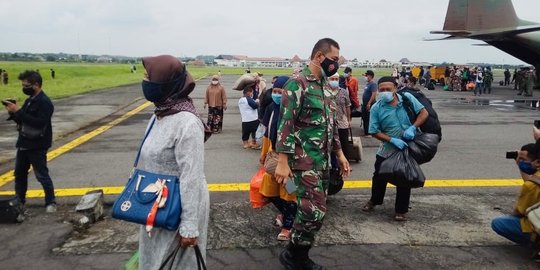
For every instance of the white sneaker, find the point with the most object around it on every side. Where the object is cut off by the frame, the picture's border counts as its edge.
(51, 208)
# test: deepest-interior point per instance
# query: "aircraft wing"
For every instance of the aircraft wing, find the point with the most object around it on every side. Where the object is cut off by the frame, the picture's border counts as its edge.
(452, 32)
(486, 35)
(445, 38)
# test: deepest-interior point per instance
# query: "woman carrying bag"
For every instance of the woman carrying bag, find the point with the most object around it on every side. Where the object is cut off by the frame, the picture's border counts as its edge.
(174, 145)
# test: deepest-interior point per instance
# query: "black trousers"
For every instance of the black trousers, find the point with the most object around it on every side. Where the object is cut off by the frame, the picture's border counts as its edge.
(378, 189)
(365, 119)
(343, 139)
(249, 128)
(38, 159)
(287, 209)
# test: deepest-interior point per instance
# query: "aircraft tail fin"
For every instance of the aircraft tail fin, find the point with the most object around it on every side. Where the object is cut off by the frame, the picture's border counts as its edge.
(479, 15)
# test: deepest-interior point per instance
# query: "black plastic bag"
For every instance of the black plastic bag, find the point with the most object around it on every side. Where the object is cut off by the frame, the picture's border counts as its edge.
(401, 170)
(424, 147)
(335, 181)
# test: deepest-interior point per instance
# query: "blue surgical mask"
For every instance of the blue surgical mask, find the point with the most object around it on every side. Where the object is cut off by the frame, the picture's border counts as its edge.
(333, 84)
(526, 167)
(276, 98)
(385, 96)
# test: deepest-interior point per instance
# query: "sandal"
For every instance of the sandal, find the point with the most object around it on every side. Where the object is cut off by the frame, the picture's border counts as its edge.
(400, 217)
(278, 222)
(256, 147)
(284, 235)
(368, 207)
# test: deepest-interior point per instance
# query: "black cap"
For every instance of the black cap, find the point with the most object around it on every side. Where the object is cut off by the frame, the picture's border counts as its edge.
(370, 73)
(348, 70)
(387, 79)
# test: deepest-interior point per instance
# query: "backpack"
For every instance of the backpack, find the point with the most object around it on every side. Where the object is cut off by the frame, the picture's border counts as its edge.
(431, 86)
(432, 124)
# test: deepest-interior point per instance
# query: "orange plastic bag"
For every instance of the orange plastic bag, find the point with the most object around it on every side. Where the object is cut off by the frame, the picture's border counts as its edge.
(471, 86)
(257, 199)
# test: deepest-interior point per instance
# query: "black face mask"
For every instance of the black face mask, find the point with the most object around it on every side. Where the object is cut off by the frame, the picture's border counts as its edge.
(153, 92)
(28, 90)
(159, 92)
(329, 66)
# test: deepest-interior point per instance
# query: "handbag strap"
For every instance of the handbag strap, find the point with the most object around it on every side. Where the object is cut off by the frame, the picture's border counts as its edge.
(170, 258)
(350, 134)
(201, 265)
(144, 139)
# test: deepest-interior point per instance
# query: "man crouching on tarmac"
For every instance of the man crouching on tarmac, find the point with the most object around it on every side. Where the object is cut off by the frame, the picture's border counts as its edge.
(516, 227)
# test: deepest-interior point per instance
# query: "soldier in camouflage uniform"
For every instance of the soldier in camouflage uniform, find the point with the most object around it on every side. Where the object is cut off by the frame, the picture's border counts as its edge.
(488, 79)
(529, 79)
(306, 136)
(520, 81)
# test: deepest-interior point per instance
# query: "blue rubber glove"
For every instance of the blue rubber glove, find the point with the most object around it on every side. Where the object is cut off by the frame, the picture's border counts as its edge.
(399, 143)
(409, 133)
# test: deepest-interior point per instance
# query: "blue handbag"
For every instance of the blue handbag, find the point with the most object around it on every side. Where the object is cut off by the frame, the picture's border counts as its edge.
(150, 199)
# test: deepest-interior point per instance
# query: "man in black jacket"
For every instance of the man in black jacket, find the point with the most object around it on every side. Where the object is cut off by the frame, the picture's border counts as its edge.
(35, 137)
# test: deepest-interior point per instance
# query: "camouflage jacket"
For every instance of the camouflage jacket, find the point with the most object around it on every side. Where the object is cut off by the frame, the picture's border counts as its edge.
(488, 76)
(306, 129)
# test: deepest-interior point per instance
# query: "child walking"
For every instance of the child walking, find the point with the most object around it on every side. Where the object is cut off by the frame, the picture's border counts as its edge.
(250, 118)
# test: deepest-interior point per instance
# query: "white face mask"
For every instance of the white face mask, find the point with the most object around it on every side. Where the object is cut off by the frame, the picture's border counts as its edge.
(215, 82)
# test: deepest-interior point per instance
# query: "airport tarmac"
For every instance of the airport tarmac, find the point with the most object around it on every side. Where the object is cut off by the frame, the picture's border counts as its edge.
(448, 226)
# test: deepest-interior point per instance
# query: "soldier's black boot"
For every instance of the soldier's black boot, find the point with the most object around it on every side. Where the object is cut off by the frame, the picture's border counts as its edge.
(297, 258)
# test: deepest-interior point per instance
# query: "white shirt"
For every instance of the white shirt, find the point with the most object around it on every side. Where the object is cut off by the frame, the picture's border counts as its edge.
(247, 112)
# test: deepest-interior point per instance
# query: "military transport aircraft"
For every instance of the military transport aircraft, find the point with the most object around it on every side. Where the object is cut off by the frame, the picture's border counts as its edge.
(496, 23)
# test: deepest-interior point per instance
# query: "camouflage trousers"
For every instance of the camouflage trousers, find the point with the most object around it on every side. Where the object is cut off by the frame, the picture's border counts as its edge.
(311, 199)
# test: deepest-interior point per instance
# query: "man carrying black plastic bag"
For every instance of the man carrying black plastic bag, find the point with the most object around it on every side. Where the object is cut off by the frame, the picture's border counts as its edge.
(390, 124)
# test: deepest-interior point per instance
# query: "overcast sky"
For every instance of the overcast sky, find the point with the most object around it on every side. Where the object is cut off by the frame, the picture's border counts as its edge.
(367, 30)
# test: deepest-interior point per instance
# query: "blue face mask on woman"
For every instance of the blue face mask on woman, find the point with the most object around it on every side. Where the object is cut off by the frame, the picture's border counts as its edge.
(526, 167)
(276, 98)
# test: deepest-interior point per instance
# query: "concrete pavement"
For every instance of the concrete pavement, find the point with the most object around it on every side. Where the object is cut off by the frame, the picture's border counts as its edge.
(448, 228)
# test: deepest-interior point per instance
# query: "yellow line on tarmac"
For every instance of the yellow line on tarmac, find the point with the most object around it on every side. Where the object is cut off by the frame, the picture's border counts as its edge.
(8, 176)
(230, 187)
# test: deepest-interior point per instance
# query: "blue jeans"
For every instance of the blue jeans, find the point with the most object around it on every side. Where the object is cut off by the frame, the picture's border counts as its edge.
(38, 159)
(509, 227)
(479, 87)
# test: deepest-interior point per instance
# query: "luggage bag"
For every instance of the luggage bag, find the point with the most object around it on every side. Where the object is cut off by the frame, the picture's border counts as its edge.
(354, 145)
(431, 86)
(11, 209)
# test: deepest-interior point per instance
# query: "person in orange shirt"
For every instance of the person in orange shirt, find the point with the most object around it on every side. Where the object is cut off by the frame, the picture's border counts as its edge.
(352, 85)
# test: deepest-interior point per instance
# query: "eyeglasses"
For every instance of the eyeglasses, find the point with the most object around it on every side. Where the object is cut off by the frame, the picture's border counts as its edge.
(27, 85)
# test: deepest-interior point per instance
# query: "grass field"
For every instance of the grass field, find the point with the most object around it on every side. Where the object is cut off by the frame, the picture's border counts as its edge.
(77, 78)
